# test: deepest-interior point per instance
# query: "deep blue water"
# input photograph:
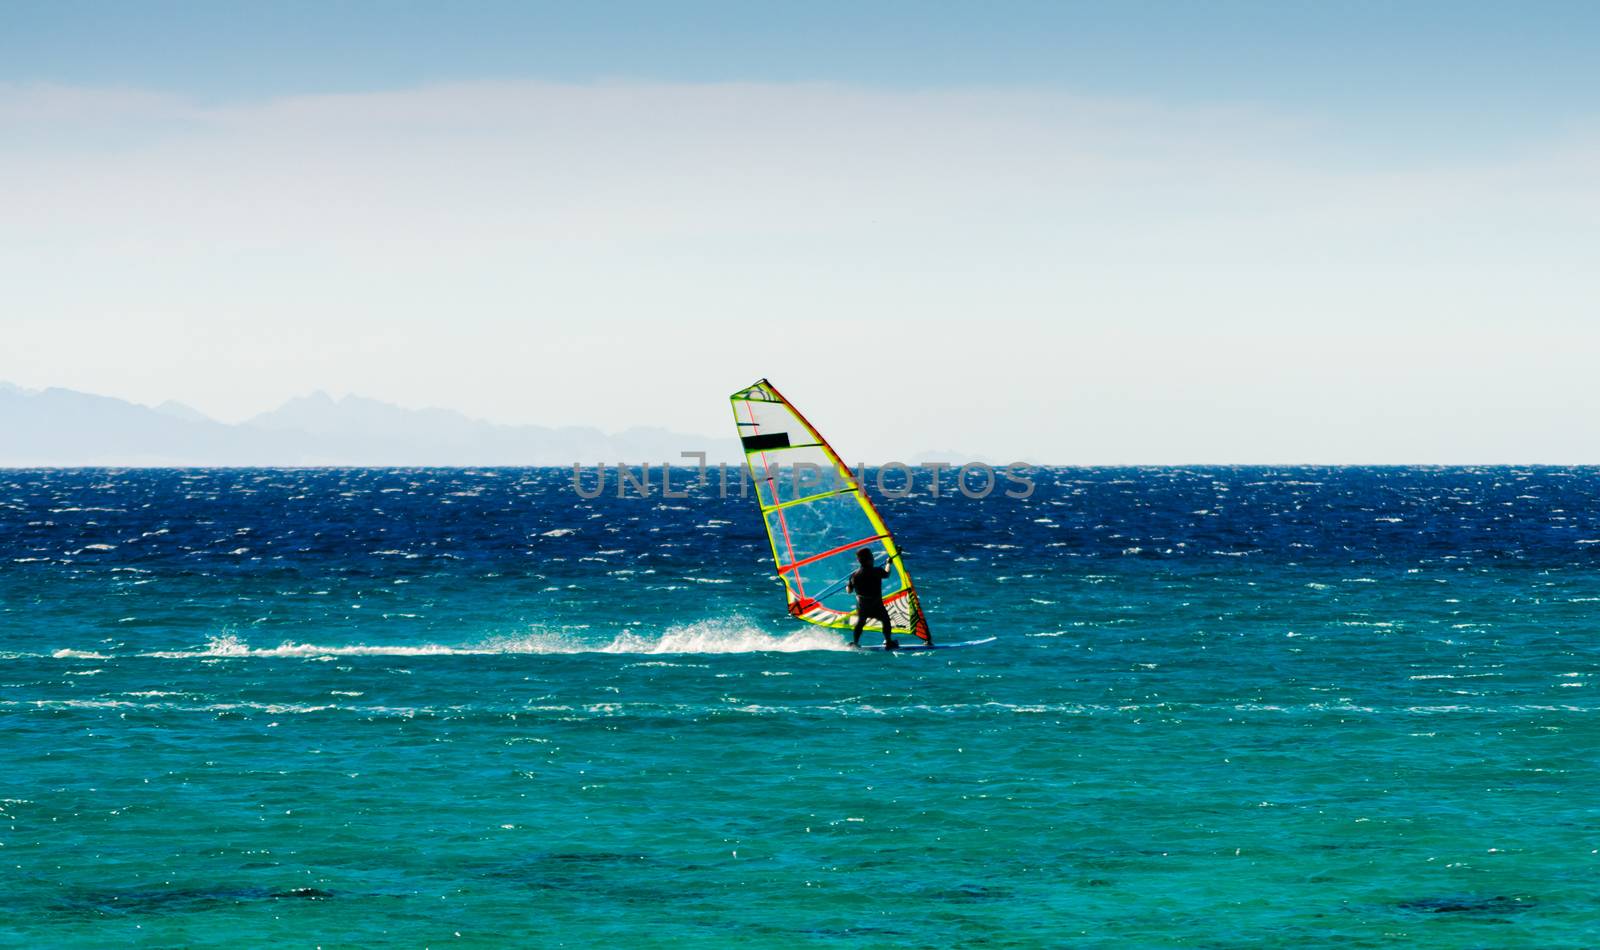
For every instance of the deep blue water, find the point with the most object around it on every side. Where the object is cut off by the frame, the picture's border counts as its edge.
(1226, 707)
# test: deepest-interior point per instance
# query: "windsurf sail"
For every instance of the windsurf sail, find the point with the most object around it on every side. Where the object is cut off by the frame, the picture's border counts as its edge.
(817, 516)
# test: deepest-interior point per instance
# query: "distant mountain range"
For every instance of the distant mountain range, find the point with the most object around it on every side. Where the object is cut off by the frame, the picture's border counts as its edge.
(62, 427)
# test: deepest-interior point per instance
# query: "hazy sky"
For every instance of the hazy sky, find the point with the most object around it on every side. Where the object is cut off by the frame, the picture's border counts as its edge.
(1129, 232)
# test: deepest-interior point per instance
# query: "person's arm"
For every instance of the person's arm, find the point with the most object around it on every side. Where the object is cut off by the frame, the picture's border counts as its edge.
(850, 585)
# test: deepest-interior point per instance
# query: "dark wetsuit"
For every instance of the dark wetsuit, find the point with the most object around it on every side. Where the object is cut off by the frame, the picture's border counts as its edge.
(867, 583)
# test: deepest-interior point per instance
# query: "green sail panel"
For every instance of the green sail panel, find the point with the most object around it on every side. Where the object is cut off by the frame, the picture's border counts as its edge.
(817, 516)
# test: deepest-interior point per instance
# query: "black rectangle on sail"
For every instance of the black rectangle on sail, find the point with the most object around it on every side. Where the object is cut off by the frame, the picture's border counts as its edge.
(755, 443)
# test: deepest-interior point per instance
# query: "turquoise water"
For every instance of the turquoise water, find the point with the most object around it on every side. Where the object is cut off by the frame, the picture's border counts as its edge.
(1226, 707)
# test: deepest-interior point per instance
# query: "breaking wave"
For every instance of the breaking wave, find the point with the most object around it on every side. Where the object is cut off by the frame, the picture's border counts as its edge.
(703, 637)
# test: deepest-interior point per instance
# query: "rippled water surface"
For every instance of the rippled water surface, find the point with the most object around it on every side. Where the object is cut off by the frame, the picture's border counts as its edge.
(1226, 707)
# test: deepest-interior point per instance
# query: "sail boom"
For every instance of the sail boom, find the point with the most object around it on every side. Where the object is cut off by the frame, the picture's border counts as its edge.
(830, 553)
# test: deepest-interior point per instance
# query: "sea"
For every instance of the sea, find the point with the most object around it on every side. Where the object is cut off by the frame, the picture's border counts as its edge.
(1224, 707)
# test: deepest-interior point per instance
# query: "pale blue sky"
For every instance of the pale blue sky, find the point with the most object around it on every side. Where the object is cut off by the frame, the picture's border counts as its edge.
(1504, 60)
(1084, 232)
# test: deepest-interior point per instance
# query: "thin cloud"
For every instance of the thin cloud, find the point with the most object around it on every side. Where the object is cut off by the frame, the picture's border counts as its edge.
(500, 246)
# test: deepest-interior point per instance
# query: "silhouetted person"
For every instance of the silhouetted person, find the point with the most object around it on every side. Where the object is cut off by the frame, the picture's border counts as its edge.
(867, 584)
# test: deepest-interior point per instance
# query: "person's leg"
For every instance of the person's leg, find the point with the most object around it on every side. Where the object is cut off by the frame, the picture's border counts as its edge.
(861, 621)
(888, 628)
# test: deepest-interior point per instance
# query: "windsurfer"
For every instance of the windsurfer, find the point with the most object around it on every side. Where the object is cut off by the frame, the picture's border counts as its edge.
(867, 584)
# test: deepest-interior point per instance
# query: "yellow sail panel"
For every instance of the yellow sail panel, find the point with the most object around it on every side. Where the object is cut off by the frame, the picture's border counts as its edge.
(817, 515)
